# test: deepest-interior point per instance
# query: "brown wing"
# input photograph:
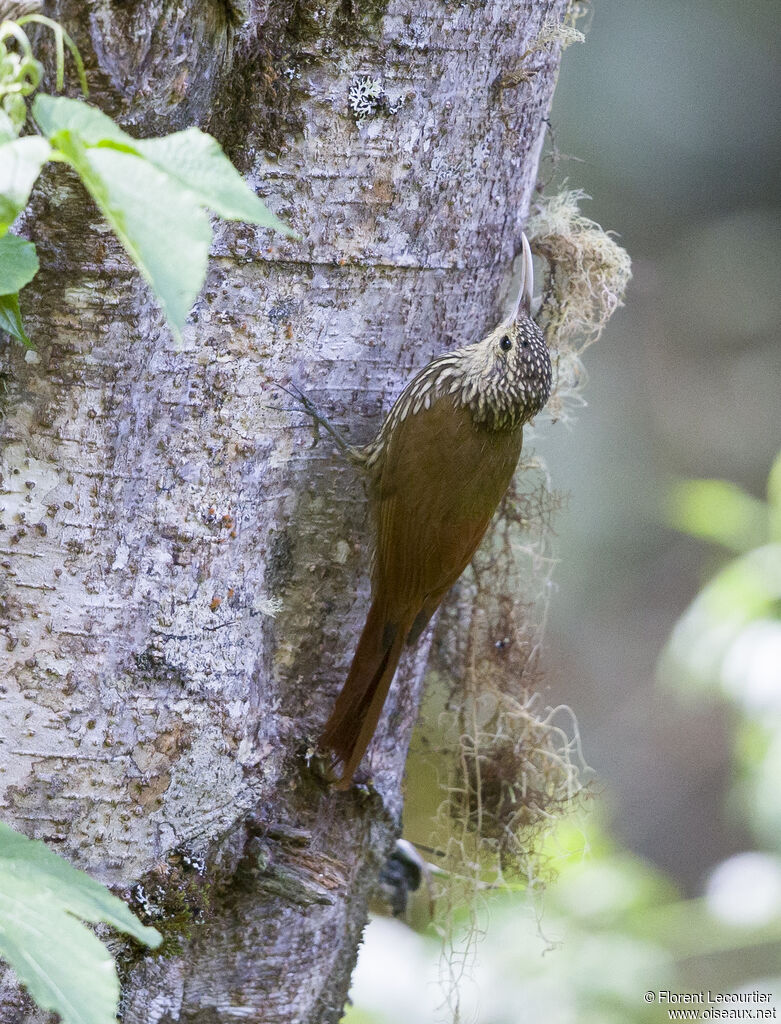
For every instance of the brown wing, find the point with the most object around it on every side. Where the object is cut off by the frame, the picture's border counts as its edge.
(439, 484)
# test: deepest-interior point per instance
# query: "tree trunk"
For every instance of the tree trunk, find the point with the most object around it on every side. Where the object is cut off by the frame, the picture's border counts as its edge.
(184, 572)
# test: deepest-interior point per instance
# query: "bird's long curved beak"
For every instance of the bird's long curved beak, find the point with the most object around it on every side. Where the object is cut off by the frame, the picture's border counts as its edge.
(523, 303)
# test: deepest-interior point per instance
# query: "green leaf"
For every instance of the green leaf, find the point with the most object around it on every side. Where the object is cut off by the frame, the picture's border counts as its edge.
(18, 263)
(11, 319)
(774, 499)
(20, 164)
(91, 126)
(746, 590)
(64, 966)
(87, 898)
(61, 40)
(7, 127)
(192, 158)
(153, 193)
(719, 511)
(164, 229)
(197, 161)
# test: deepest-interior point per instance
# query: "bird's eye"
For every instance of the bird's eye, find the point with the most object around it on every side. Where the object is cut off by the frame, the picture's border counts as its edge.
(505, 344)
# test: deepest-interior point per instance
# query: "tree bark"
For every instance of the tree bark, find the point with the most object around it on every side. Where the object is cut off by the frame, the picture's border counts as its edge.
(184, 572)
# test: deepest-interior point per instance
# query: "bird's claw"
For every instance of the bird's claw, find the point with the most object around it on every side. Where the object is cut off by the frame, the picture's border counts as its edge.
(318, 420)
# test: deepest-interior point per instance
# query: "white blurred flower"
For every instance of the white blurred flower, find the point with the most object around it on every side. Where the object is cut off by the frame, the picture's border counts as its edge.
(745, 890)
(751, 671)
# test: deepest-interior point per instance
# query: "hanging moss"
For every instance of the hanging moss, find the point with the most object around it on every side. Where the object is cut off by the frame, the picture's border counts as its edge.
(586, 276)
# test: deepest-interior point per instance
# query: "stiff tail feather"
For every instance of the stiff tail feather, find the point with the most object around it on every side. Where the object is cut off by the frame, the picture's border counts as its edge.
(354, 718)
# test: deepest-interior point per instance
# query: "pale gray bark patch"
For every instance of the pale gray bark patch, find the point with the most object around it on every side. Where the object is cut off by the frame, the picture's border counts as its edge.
(184, 573)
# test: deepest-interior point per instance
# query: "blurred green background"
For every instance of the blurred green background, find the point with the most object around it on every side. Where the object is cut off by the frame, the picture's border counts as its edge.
(674, 108)
(669, 117)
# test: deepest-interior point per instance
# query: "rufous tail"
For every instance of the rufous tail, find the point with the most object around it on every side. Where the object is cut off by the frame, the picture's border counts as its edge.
(354, 718)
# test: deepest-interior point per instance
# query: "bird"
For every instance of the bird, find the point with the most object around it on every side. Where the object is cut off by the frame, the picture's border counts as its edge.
(438, 468)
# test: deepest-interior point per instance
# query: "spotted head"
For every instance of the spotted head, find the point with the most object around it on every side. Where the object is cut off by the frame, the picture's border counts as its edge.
(507, 375)
(504, 380)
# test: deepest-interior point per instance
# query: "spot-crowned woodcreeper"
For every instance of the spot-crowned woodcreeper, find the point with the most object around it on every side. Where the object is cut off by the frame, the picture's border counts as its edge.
(439, 466)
